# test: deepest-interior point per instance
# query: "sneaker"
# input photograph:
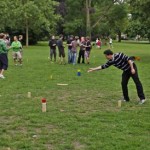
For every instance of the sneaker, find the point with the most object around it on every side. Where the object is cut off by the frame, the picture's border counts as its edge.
(142, 101)
(1, 76)
(124, 100)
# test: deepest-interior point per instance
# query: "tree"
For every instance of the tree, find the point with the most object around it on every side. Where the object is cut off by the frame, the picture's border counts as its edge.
(140, 15)
(5, 14)
(136, 28)
(74, 20)
(32, 15)
(85, 16)
(88, 20)
(118, 19)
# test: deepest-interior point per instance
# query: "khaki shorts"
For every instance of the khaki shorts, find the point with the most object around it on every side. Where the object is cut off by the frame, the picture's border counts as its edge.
(17, 55)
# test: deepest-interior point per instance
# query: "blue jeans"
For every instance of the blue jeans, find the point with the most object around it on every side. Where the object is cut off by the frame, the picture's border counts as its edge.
(74, 56)
(3, 61)
(69, 56)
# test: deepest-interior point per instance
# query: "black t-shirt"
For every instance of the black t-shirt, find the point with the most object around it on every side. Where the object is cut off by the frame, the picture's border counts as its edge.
(82, 45)
(52, 44)
(88, 43)
(69, 42)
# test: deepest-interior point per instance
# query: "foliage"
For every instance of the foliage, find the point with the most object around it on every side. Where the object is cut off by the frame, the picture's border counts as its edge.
(119, 19)
(109, 15)
(35, 15)
(136, 28)
(77, 17)
(140, 17)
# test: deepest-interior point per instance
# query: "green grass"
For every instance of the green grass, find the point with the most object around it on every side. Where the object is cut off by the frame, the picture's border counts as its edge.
(81, 116)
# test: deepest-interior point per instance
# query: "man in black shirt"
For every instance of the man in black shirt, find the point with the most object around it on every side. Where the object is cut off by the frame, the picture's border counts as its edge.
(82, 50)
(52, 45)
(61, 50)
(129, 68)
(88, 50)
(21, 41)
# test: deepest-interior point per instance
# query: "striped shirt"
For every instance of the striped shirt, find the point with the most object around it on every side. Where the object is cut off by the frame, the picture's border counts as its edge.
(120, 61)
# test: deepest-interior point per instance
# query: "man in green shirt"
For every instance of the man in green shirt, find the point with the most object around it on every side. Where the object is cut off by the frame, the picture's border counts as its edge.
(16, 46)
(3, 56)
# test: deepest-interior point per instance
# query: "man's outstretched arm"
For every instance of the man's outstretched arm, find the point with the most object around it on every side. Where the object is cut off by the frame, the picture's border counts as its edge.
(95, 69)
(108, 64)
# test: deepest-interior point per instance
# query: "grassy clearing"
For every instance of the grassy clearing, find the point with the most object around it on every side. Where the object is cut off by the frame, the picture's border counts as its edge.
(81, 116)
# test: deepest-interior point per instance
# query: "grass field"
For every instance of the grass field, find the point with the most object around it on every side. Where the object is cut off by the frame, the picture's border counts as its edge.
(81, 116)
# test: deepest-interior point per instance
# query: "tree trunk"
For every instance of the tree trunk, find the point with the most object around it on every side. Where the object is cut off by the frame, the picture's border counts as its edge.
(119, 36)
(88, 20)
(27, 33)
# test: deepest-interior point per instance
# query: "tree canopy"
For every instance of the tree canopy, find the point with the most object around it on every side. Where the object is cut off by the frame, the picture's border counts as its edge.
(78, 17)
(34, 15)
(140, 17)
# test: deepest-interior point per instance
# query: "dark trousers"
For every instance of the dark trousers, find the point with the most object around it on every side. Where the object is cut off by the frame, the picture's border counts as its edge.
(81, 54)
(3, 61)
(125, 78)
(53, 52)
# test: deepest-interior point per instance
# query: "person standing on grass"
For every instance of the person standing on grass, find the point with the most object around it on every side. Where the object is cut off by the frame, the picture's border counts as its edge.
(7, 40)
(88, 50)
(3, 56)
(82, 50)
(78, 40)
(16, 45)
(20, 39)
(69, 49)
(52, 45)
(99, 43)
(96, 41)
(129, 68)
(61, 50)
(74, 44)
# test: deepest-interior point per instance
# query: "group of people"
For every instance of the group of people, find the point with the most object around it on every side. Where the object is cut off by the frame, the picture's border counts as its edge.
(99, 42)
(73, 43)
(118, 60)
(5, 46)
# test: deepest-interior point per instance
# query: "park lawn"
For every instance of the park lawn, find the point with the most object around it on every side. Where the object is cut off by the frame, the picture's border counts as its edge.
(81, 116)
